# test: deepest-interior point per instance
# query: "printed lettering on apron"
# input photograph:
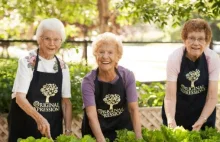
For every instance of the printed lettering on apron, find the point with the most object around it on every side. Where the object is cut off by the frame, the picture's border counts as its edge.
(192, 76)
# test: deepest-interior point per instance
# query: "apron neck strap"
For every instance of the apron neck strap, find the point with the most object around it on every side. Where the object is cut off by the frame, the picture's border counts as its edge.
(116, 70)
(37, 59)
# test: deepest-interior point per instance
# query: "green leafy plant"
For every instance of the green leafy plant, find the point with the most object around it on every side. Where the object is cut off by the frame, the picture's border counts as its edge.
(64, 138)
(150, 95)
(77, 72)
(126, 136)
(152, 135)
(165, 134)
(32, 139)
(8, 69)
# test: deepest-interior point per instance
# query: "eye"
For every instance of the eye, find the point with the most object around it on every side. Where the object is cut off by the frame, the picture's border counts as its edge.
(101, 52)
(201, 39)
(47, 38)
(192, 38)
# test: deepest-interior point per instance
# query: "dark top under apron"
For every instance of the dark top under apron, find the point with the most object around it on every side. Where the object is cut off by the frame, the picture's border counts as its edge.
(42, 84)
(112, 108)
(192, 88)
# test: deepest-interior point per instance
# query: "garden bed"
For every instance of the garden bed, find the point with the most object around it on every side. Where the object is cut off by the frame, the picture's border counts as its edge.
(150, 119)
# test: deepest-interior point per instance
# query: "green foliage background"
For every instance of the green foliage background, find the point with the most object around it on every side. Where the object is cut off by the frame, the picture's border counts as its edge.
(8, 69)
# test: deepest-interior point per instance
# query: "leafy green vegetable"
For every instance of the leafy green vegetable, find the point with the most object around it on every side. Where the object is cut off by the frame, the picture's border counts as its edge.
(178, 134)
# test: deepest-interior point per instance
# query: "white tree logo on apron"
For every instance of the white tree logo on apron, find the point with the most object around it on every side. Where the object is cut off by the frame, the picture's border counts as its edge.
(49, 90)
(112, 99)
(193, 76)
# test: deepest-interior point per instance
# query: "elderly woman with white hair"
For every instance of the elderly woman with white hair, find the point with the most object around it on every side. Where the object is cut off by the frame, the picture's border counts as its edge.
(41, 91)
(109, 93)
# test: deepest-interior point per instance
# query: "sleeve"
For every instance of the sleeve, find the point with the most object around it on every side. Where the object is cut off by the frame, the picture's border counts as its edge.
(130, 87)
(66, 87)
(213, 65)
(23, 77)
(173, 65)
(88, 91)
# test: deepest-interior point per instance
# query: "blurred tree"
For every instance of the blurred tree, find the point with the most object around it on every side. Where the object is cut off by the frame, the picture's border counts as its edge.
(77, 15)
(163, 11)
(170, 14)
(84, 18)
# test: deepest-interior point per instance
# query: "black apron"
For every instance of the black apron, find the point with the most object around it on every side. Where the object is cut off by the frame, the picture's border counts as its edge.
(192, 88)
(112, 108)
(22, 125)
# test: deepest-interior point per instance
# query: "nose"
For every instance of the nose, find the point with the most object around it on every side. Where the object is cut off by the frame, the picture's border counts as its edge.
(196, 41)
(105, 55)
(52, 42)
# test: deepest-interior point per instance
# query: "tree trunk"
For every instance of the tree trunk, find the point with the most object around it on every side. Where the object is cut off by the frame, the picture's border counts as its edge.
(103, 15)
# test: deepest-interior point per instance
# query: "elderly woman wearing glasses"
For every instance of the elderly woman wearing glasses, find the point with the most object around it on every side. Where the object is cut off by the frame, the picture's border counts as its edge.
(109, 93)
(192, 80)
(41, 90)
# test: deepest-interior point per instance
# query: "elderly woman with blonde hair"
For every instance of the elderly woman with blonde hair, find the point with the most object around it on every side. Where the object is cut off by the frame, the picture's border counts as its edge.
(41, 91)
(109, 93)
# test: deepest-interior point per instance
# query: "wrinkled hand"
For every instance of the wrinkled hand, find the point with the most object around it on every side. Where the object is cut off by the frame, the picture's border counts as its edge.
(44, 127)
(101, 139)
(68, 133)
(197, 126)
(172, 123)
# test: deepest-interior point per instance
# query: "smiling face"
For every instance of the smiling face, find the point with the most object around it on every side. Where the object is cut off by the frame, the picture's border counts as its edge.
(107, 57)
(195, 44)
(49, 42)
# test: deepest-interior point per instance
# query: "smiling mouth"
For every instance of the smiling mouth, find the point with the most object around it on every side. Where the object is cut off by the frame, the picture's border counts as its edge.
(195, 48)
(50, 49)
(106, 62)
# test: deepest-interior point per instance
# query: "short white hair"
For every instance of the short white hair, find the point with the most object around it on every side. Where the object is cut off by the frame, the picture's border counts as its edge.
(52, 24)
(108, 38)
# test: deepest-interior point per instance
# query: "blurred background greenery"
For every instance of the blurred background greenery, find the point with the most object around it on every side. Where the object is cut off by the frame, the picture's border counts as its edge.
(135, 20)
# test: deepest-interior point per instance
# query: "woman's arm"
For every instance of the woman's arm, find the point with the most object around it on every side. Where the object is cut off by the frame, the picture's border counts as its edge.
(67, 115)
(94, 123)
(42, 123)
(211, 101)
(170, 103)
(135, 117)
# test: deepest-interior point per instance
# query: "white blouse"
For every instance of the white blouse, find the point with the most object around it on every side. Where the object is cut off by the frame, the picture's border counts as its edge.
(25, 73)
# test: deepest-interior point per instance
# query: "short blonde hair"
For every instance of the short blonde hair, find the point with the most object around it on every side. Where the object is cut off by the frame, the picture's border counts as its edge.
(108, 38)
(52, 24)
(197, 25)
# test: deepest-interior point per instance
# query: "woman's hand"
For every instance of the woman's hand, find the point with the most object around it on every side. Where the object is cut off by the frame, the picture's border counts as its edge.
(43, 126)
(197, 126)
(172, 123)
(68, 132)
(101, 139)
(42, 123)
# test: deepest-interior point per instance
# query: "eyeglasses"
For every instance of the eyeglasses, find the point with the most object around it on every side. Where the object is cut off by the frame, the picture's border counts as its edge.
(193, 39)
(56, 41)
(106, 54)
